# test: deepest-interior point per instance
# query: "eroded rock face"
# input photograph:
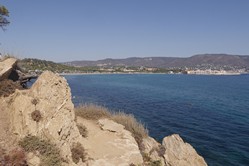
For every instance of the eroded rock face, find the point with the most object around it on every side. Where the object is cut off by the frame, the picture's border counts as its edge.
(50, 96)
(179, 153)
(6, 67)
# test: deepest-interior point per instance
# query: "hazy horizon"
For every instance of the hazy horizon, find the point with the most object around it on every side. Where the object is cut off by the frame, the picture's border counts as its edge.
(63, 31)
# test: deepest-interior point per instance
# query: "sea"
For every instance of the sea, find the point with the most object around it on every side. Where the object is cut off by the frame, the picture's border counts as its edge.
(209, 112)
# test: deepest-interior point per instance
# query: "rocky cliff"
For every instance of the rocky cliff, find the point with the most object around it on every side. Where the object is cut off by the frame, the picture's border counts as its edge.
(43, 116)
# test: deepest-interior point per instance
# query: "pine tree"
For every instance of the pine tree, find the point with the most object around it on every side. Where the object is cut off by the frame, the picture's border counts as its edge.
(4, 13)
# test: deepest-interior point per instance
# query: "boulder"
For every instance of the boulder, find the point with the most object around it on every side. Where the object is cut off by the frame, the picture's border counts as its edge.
(179, 153)
(46, 111)
(6, 67)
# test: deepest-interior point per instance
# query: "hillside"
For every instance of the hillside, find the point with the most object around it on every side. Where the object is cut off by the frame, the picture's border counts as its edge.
(37, 65)
(211, 60)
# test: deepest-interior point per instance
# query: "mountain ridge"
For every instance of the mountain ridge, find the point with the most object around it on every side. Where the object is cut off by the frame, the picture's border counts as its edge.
(240, 61)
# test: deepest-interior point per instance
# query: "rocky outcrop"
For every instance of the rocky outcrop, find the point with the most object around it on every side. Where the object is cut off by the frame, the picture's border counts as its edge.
(46, 111)
(109, 144)
(179, 153)
(6, 67)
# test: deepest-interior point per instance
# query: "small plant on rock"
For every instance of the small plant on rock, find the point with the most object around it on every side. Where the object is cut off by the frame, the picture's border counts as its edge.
(83, 130)
(50, 154)
(78, 152)
(34, 101)
(36, 115)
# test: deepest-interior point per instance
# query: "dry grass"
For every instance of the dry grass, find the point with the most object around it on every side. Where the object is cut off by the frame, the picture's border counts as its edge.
(50, 154)
(131, 124)
(92, 112)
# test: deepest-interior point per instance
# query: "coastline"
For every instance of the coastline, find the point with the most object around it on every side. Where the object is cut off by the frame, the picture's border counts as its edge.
(203, 74)
(64, 74)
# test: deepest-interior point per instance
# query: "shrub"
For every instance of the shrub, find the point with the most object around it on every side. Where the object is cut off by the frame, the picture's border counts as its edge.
(78, 152)
(34, 101)
(50, 154)
(36, 115)
(92, 112)
(15, 157)
(83, 130)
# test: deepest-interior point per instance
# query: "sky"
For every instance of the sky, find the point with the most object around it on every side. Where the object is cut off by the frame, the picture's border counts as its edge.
(67, 30)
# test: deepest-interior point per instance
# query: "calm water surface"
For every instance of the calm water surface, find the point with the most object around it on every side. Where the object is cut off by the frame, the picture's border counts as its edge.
(209, 112)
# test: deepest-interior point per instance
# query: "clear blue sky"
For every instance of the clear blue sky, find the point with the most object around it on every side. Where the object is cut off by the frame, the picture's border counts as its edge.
(64, 30)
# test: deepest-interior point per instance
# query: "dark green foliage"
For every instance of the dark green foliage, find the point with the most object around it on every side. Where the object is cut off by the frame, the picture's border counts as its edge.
(42, 65)
(50, 154)
(3, 14)
(78, 152)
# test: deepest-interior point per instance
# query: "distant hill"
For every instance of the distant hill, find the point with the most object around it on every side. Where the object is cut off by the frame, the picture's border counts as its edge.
(214, 60)
(38, 65)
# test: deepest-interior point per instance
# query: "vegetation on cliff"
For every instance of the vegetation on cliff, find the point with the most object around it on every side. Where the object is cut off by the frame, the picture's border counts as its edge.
(50, 154)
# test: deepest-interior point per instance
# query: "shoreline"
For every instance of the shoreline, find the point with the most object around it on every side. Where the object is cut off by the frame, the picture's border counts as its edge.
(202, 74)
(61, 74)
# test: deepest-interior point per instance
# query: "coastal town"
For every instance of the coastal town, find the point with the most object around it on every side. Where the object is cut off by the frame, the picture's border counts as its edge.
(36, 66)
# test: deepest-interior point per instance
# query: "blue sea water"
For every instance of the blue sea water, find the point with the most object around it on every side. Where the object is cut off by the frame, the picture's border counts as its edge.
(209, 112)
